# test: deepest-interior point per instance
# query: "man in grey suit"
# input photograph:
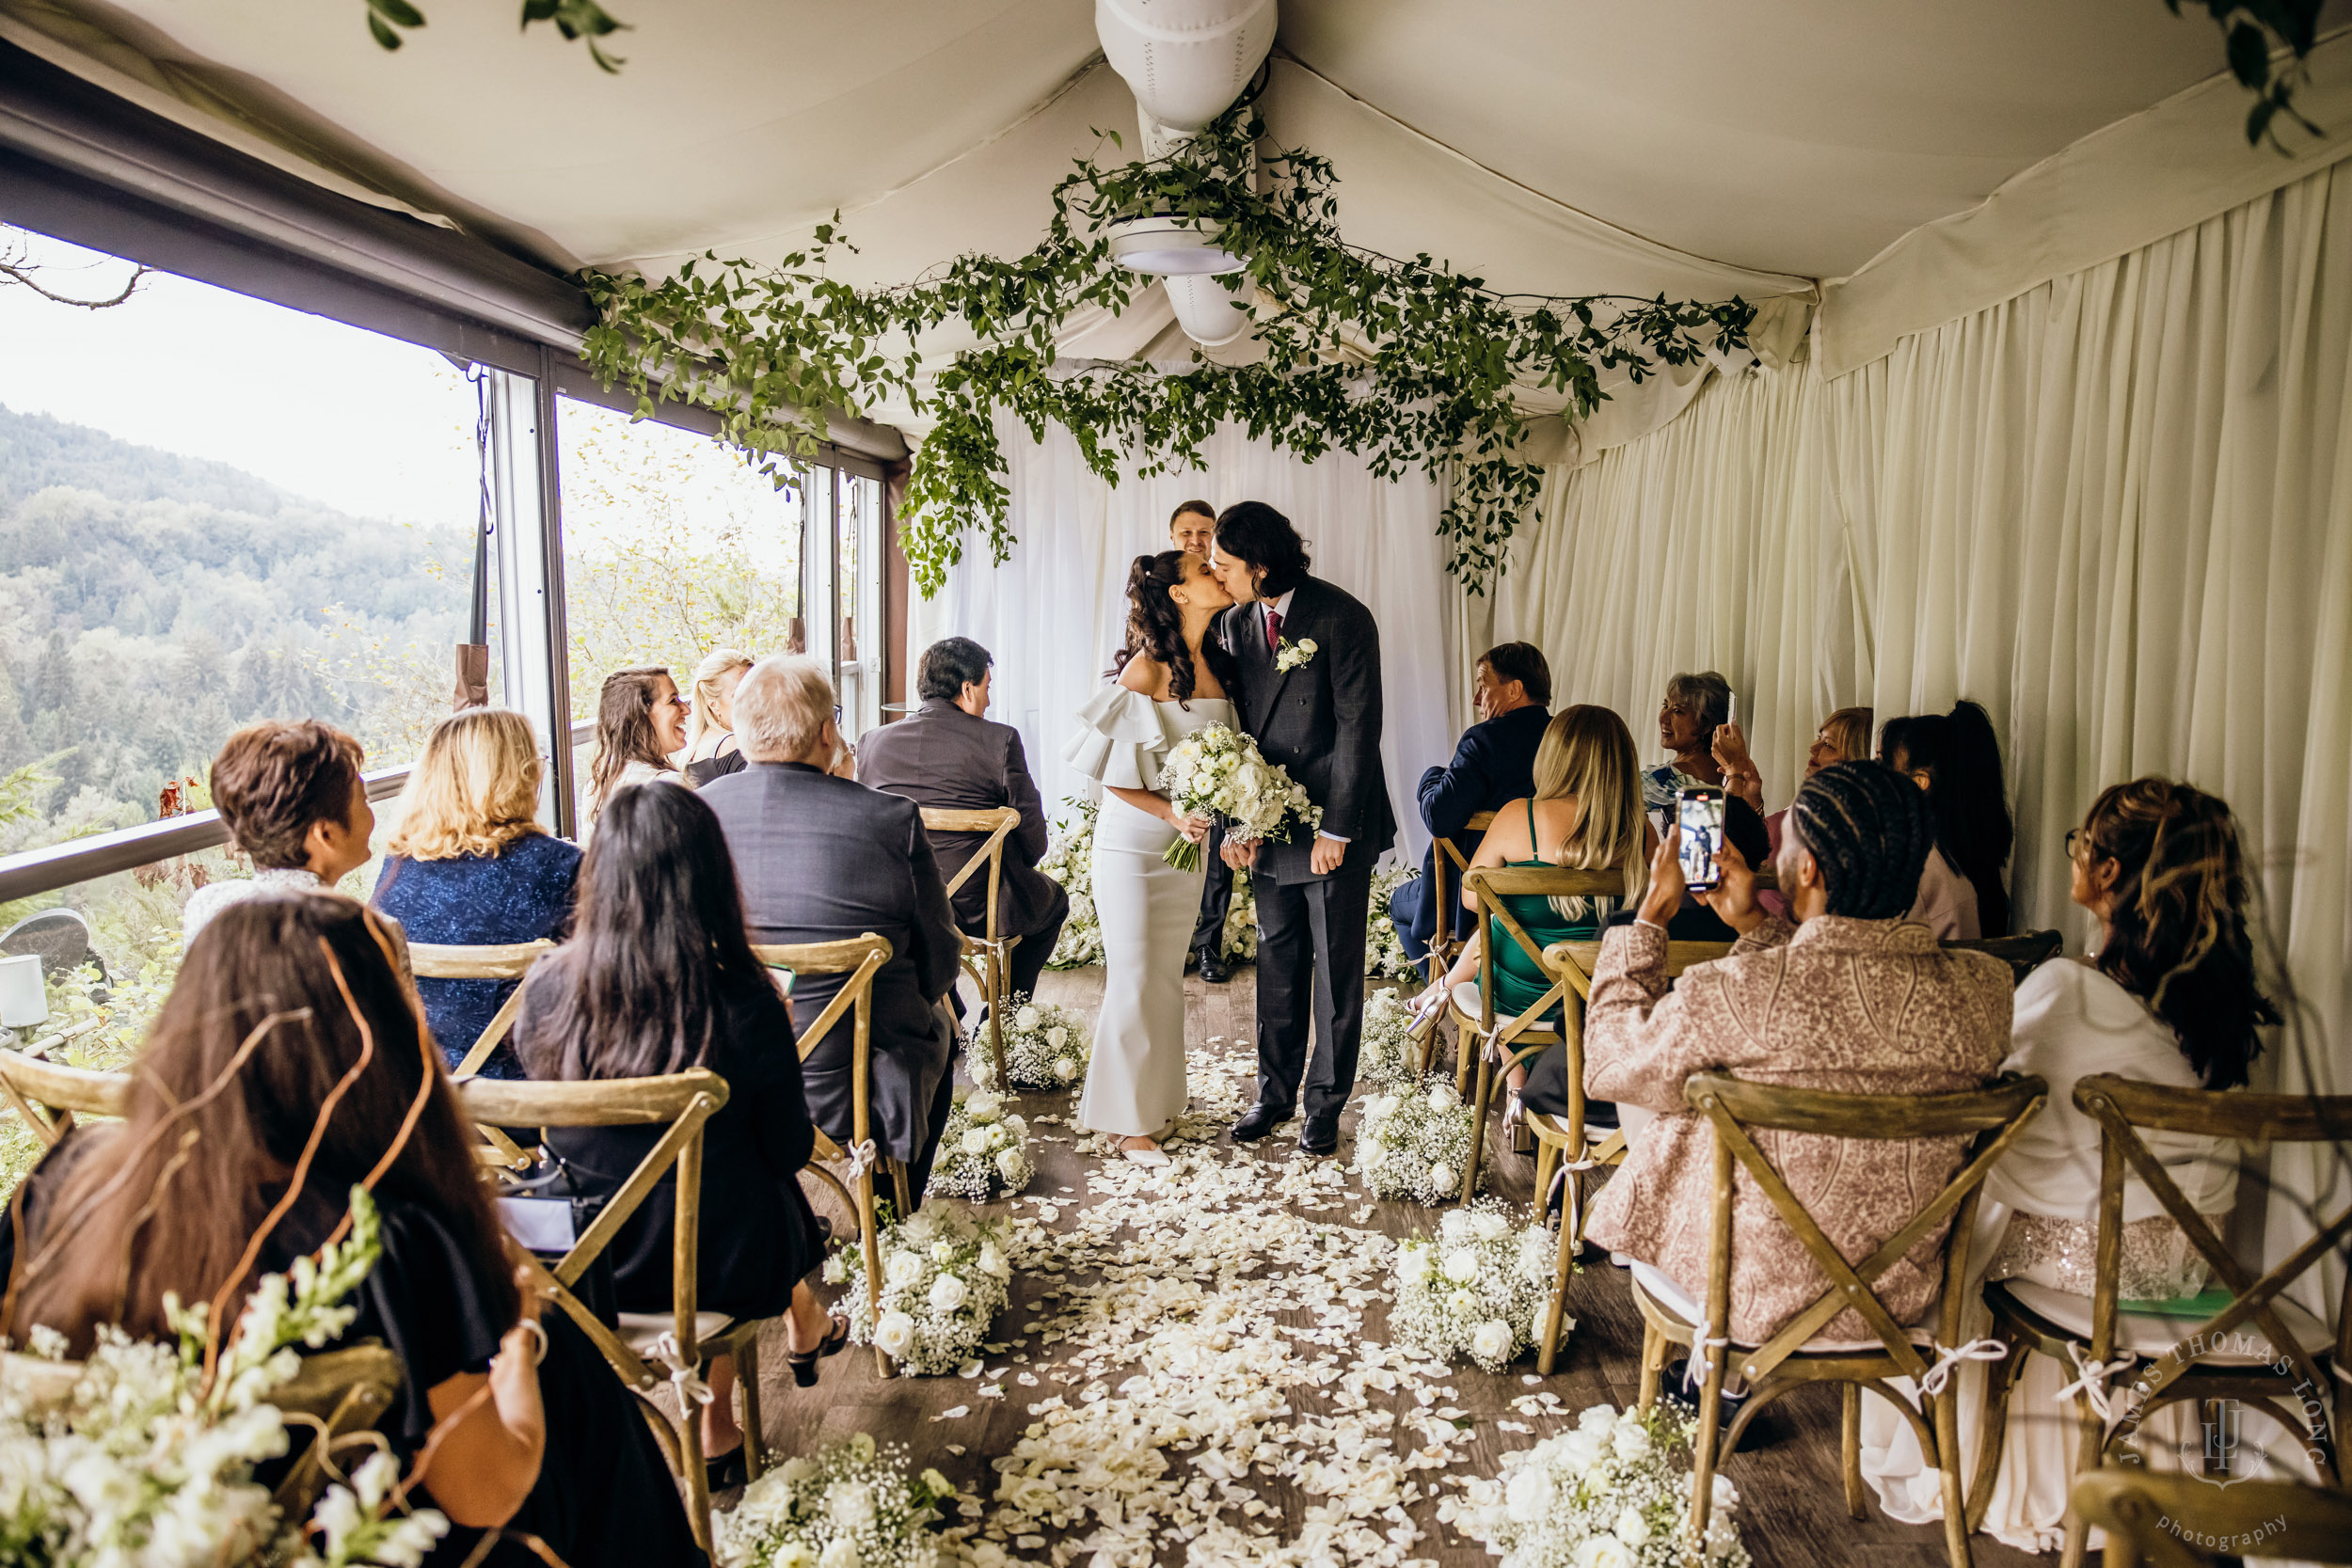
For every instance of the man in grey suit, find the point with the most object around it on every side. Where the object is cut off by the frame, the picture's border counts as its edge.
(1320, 719)
(820, 858)
(946, 755)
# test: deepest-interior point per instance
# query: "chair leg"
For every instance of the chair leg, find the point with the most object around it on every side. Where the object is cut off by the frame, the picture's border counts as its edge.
(1710, 1433)
(871, 1245)
(1464, 1041)
(747, 1379)
(1653, 1367)
(690, 1442)
(2087, 1458)
(1850, 1447)
(1547, 1353)
(1478, 1126)
(1545, 1156)
(996, 1017)
(1944, 1413)
(1992, 1436)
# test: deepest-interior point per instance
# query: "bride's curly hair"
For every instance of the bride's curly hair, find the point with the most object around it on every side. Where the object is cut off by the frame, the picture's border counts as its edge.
(1156, 628)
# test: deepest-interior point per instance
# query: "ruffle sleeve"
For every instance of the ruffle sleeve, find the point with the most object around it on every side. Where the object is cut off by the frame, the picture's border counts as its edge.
(1121, 741)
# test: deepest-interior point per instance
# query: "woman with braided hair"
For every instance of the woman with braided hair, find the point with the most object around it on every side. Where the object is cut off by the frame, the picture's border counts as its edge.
(1854, 998)
(2170, 996)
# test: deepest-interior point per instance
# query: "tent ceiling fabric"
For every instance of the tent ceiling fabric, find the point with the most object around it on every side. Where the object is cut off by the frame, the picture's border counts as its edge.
(1693, 147)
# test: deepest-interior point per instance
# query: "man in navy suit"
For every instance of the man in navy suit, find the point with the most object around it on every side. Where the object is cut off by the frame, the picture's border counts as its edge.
(1494, 765)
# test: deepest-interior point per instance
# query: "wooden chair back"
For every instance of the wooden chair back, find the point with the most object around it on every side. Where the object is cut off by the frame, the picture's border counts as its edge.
(1447, 865)
(49, 1094)
(2023, 953)
(505, 962)
(2185, 1521)
(986, 956)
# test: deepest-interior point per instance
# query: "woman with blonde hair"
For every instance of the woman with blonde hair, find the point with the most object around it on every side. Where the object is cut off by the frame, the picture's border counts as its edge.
(469, 865)
(710, 750)
(1586, 813)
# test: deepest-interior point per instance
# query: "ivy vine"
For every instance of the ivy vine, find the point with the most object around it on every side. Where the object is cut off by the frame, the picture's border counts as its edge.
(575, 18)
(1406, 364)
(2250, 30)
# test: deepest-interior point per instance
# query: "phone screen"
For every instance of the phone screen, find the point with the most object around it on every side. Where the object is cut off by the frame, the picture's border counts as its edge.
(1699, 813)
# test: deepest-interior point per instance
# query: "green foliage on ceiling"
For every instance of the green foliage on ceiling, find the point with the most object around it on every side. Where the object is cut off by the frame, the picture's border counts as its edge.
(575, 18)
(2252, 31)
(1407, 364)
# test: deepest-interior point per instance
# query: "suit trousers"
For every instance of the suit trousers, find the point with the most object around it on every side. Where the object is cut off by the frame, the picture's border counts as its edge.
(942, 1104)
(1216, 893)
(1028, 959)
(1311, 976)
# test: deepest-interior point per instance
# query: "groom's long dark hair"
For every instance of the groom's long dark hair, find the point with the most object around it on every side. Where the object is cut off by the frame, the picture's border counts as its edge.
(1262, 536)
(1156, 627)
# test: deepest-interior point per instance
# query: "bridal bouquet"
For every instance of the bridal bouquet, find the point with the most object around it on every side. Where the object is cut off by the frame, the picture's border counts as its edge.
(1480, 1288)
(850, 1502)
(1612, 1492)
(1046, 1047)
(1070, 861)
(1218, 771)
(1386, 1057)
(945, 1275)
(1413, 1141)
(982, 1151)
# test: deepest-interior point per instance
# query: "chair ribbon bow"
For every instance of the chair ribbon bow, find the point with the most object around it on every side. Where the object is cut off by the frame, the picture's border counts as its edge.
(2093, 1384)
(1948, 1361)
(862, 1158)
(690, 1388)
(1703, 1342)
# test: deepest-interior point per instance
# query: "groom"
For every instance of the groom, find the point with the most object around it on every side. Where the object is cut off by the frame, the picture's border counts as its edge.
(1320, 719)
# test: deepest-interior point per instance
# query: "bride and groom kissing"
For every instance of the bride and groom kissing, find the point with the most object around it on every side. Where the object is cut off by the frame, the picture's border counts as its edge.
(1246, 638)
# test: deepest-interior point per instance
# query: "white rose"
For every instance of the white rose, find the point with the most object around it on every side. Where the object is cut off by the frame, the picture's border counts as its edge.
(1011, 1166)
(1412, 1265)
(982, 1105)
(1461, 1265)
(1463, 1304)
(1631, 1528)
(1454, 1226)
(1026, 1019)
(976, 1140)
(1441, 1177)
(943, 1253)
(852, 1504)
(1057, 1036)
(793, 1554)
(1724, 1495)
(1441, 1096)
(1528, 1498)
(1603, 1551)
(894, 1335)
(1488, 1225)
(948, 1292)
(992, 1261)
(1491, 1340)
(1580, 1450)
(904, 1268)
(1064, 1069)
(1597, 1418)
(1631, 1439)
(841, 1554)
(836, 1269)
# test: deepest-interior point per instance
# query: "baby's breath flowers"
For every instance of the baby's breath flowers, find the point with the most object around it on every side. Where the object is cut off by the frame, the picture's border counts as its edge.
(1046, 1047)
(850, 1505)
(1614, 1492)
(1478, 1289)
(1384, 950)
(983, 1151)
(945, 1275)
(1385, 1060)
(1412, 1141)
(1070, 861)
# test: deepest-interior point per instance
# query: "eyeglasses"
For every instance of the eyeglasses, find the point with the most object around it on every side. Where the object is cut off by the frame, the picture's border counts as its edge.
(2075, 836)
(836, 716)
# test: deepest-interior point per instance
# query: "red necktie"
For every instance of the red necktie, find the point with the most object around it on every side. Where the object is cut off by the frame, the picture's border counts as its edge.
(1273, 629)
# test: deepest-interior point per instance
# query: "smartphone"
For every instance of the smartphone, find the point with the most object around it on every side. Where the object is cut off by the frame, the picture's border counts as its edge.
(1699, 813)
(1732, 717)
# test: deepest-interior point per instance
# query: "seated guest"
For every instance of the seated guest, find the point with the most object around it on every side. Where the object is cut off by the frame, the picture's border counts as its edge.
(1494, 764)
(1956, 758)
(2172, 996)
(288, 792)
(640, 722)
(1586, 811)
(1857, 999)
(821, 857)
(1695, 706)
(946, 755)
(540, 1438)
(1844, 737)
(660, 978)
(470, 867)
(710, 750)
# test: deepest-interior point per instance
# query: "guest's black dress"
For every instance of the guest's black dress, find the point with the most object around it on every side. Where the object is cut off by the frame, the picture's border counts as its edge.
(604, 1498)
(759, 1237)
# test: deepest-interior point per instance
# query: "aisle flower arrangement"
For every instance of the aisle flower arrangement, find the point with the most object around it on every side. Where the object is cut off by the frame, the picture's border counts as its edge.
(945, 1275)
(1611, 1492)
(1413, 1141)
(1218, 771)
(1070, 861)
(1046, 1047)
(1239, 940)
(1477, 1289)
(144, 1460)
(849, 1505)
(1384, 949)
(983, 1151)
(1385, 1060)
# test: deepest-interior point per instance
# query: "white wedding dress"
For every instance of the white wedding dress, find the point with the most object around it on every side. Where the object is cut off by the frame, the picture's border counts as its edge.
(1135, 1085)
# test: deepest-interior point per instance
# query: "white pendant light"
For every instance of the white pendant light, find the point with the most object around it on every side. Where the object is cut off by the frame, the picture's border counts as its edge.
(1168, 245)
(1186, 60)
(1211, 314)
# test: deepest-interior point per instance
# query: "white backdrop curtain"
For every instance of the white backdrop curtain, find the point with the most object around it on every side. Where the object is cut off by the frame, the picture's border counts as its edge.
(1053, 614)
(2117, 510)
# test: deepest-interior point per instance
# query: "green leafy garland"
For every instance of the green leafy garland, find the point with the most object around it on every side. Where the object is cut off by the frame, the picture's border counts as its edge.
(575, 18)
(1405, 363)
(2250, 30)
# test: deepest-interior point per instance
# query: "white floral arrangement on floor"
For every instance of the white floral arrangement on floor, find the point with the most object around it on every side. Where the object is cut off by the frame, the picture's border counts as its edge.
(142, 1461)
(850, 1505)
(1386, 1058)
(1384, 949)
(983, 1151)
(1413, 1141)
(1046, 1047)
(1070, 861)
(1611, 1492)
(945, 1275)
(1218, 771)
(1239, 940)
(1478, 1289)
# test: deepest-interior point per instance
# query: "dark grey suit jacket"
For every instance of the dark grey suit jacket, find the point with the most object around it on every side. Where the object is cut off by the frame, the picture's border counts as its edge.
(942, 758)
(821, 858)
(1321, 721)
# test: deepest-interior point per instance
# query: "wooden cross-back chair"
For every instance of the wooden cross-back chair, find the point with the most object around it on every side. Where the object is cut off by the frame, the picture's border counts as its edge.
(1990, 1119)
(2023, 953)
(1447, 864)
(502, 962)
(684, 1338)
(987, 958)
(49, 1094)
(2258, 1350)
(861, 958)
(2180, 1521)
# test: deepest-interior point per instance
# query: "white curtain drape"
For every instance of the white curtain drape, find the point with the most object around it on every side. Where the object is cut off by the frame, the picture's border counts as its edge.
(2117, 510)
(1053, 614)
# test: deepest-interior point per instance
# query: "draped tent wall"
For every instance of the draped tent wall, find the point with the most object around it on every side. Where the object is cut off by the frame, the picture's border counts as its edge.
(1053, 613)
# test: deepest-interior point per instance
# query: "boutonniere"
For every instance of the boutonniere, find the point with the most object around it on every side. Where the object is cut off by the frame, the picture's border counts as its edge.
(1288, 656)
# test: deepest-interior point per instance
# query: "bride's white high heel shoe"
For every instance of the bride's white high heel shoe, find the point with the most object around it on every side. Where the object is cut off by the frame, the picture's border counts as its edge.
(1144, 1156)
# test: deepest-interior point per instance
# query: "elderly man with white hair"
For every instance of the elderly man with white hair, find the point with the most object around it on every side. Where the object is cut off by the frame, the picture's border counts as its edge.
(821, 857)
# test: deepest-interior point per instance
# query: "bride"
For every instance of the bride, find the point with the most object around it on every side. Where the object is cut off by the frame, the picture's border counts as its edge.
(1168, 685)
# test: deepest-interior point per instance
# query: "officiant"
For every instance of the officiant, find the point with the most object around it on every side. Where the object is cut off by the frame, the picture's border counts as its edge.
(1191, 531)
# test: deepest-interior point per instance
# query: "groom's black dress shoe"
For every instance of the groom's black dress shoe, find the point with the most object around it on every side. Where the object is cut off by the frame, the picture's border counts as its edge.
(1262, 1119)
(1321, 1136)
(1212, 968)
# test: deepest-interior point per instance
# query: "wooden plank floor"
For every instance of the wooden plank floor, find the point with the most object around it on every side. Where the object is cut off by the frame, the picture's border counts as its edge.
(1792, 1515)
